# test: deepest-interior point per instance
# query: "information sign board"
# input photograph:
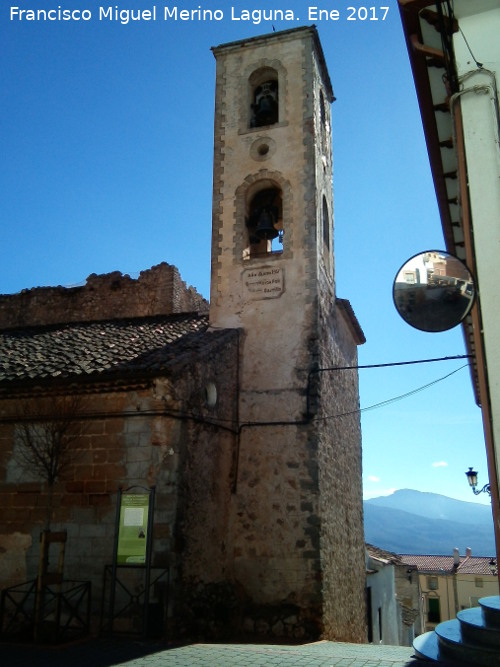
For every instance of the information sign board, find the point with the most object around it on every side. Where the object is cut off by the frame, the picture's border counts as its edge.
(133, 529)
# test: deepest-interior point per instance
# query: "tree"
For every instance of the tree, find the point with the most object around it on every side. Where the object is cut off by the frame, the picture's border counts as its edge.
(47, 431)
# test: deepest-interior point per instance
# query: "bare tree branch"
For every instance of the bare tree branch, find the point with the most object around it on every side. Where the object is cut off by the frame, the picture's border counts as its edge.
(47, 432)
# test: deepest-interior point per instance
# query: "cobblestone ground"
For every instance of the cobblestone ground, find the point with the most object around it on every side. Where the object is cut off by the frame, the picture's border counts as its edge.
(322, 654)
(137, 654)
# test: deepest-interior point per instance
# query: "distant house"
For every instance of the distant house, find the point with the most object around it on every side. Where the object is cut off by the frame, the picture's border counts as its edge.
(393, 598)
(451, 583)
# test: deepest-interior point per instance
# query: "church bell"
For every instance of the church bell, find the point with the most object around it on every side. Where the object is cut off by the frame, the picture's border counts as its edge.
(266, 104)
(265, 226)
(265, 111)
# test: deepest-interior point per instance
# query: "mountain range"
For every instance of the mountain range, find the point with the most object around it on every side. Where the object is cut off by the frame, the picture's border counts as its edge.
(414, 522)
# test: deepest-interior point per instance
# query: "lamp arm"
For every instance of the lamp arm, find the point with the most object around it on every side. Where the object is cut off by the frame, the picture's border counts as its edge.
(486, 489)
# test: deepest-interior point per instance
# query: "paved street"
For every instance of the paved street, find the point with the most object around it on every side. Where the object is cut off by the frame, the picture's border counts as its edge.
(107, 653)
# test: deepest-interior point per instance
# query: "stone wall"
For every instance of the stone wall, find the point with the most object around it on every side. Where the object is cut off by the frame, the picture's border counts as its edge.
(409, 599)
(274, 545)
(170, 433)
(119, 446)
(158, 291)
(340, 473)
(296, 540)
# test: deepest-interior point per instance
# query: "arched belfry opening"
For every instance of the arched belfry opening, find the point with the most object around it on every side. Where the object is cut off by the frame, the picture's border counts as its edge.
(264, 220)
(264, 97)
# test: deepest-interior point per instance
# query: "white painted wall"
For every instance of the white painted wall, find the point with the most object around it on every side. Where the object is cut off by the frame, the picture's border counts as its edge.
(479, 104)
(381, 585)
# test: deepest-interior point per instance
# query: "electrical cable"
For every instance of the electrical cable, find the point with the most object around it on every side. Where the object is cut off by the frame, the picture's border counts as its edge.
(478, 64)
(394, 399)
(445, 21)
(392, 363)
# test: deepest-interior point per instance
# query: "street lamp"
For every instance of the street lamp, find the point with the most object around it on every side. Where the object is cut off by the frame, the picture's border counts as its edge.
(472, 479)
(493, 566)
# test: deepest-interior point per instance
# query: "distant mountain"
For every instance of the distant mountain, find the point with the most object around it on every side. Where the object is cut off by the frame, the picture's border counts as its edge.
(428, 523)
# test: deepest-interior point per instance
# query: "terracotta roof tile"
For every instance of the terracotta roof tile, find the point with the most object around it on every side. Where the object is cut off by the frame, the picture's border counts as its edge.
(475, 565)
(445, 564)
(99, 348)
(429, 563)
(382, 554)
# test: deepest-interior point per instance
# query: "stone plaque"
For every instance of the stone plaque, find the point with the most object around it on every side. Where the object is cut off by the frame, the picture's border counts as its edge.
(265, 282)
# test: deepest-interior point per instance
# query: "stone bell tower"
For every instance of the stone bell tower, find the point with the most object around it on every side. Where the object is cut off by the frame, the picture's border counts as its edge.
(296, 544)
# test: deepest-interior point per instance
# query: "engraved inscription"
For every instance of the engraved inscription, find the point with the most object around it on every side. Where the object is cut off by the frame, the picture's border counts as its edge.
(264, 283)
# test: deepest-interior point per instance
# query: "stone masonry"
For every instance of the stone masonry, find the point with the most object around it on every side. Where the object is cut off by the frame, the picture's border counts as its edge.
(157, 291)
(296, 526)
(153, 413)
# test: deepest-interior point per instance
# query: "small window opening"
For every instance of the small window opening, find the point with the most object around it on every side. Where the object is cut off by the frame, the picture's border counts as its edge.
(264, 223)
(322, 109)
(432, 583)
(322, 118)
(326, 225)
(265, 106)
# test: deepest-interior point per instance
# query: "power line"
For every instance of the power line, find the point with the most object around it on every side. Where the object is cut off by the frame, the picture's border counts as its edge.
(392, 363)
(316, 371)
(394, 399)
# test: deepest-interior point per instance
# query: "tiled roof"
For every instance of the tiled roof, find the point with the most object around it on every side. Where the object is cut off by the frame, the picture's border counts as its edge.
(382, 555)
(429, 563)
(445, 564)
(99, 349)
(345, 307)
(475, 565)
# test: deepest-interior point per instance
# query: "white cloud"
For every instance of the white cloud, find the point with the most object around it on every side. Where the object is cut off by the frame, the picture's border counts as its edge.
(439, 464)
(373, 478)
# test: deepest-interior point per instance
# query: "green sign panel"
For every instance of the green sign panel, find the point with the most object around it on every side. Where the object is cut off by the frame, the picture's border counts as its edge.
(133, 529)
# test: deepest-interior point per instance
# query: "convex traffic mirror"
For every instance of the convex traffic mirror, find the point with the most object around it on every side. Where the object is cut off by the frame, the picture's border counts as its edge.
(433, 291)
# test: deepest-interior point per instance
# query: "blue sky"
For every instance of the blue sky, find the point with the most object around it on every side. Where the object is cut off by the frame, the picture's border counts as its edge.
(106, 164)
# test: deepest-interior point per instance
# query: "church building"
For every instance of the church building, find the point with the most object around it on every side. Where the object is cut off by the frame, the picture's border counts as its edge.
(241, 413)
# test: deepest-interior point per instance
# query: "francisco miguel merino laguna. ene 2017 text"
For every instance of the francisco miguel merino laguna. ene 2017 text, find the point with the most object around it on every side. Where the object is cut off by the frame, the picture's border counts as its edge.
(114, 13)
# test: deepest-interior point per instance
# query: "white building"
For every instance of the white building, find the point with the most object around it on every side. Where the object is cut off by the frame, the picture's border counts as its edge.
(451, 583)
(454, 50)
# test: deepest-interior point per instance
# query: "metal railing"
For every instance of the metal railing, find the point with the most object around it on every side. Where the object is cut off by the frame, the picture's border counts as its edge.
(54, 614)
